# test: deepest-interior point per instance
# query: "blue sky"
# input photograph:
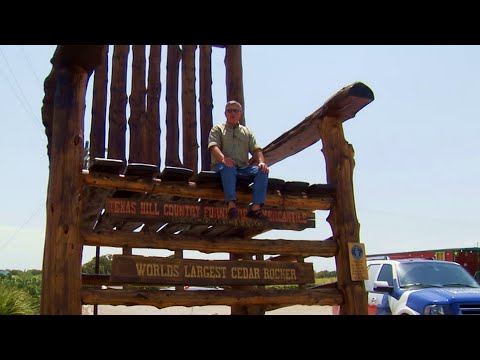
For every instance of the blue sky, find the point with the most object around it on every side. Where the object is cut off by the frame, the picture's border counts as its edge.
(416, 172)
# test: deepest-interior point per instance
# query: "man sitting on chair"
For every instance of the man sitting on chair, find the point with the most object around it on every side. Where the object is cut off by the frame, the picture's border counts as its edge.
(229, 145)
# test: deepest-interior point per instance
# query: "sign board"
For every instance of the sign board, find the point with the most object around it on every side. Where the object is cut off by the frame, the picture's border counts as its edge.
(156, 270)
(196, 213)
(358, 262)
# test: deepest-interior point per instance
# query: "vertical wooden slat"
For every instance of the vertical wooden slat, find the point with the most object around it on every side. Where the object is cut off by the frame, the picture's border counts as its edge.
(173, 61)
(206, 103)
(61, 275)
(99, 108)
(97, 271)
(153, 106)
(179, 255)
(234, 76)
(258, 309)
(302, 260)
(244, 309)
(138, 130)
(343, 218)
(238, 309)
(118, 103)
(138, 136)
(126, 250)
(189, 117)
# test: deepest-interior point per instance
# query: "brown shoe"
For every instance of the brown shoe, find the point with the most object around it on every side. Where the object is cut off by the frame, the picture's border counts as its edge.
(257, 214)
(232, 213)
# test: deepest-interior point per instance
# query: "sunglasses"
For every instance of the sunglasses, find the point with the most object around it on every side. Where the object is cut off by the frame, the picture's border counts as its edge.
(232, 110)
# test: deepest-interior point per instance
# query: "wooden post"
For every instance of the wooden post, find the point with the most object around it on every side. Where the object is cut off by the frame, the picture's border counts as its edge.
(97, 271)
(239, 309)
(258, 309)
(99, 109)
(206, 103)
(189, 117)
(139, 146)
(61, 275)
(172, 157)
(234, 76)
(343, 218)
(178, 254)
(153, 105)
(118, 103)
(62, 257)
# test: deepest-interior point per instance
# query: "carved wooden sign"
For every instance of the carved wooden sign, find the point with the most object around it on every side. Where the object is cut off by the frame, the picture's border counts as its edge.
(156, 270)
(196, 213)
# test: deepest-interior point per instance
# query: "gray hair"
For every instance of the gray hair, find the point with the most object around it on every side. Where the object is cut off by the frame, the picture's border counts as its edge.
(233, 102)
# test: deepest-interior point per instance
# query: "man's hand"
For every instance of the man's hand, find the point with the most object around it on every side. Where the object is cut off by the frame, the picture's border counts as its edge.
(263, 167)
(228, 162)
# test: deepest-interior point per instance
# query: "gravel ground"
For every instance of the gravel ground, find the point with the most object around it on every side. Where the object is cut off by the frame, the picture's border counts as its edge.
(200, 310)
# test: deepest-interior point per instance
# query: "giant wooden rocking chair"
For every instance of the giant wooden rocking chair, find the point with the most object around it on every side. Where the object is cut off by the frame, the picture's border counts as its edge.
(111, 201)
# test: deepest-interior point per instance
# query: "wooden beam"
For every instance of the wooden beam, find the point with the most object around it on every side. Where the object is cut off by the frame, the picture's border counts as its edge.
(136, 269)
(206, 103)
(153, 106)
(92, 205)
(189, 108)
(139, 146)
(324, 248)
(192, 212)
(234, 76)
(99, 109)
(61, 279)
(96, 279)
(157, 187)
(340, 162)
(117, 115)
(343, 105)
(87, 57)
(166, 298)
(283, 258)
(172, 157)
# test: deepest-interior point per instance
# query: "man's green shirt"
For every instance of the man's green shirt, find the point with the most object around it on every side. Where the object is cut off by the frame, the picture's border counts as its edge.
(235, 142)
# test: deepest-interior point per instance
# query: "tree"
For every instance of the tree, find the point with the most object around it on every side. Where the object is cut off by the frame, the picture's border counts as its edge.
(325, 274)
(24, 280)
(105, 267)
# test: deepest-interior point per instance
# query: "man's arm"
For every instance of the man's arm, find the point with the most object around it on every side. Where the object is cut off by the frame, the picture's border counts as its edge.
(214, 143)
(257, 153)
(258, 159)
(258, 156)
(218, 155)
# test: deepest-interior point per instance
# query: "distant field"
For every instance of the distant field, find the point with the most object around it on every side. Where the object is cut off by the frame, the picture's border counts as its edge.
(325, 280)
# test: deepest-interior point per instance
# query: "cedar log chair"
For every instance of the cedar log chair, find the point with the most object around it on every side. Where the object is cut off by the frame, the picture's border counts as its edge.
(97, 197)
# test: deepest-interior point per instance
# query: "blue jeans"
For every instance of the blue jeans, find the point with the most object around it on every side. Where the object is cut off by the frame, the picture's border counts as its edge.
(229, 181)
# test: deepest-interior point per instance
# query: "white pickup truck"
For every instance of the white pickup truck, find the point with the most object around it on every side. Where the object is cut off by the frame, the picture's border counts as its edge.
(420, 287)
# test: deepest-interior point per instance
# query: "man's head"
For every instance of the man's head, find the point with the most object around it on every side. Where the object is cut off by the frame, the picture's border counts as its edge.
(233, 112)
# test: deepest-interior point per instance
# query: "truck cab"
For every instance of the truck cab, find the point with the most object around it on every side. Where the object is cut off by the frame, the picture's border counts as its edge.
(420, 287)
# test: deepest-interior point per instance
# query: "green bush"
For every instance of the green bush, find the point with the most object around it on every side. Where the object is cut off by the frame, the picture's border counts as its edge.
(16, 301)
(24, 280)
